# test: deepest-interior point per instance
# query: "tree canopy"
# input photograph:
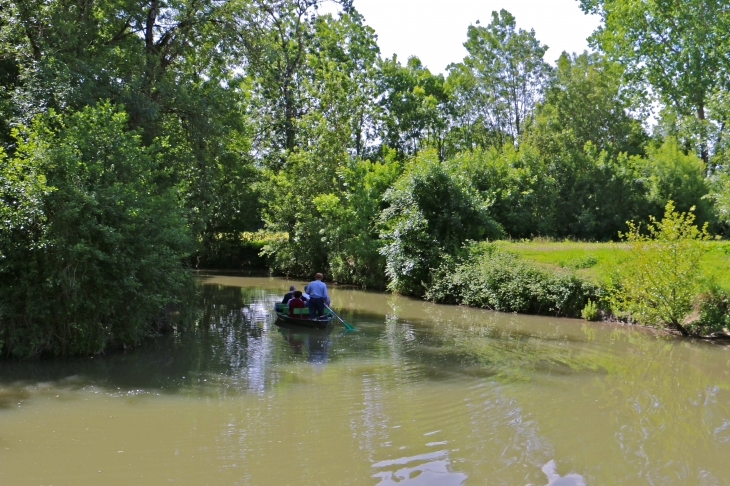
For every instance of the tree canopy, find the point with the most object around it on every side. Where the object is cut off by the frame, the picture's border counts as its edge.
(139, 138)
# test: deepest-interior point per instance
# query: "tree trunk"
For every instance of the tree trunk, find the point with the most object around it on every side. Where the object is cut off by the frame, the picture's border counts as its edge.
(704, 154)
(679, 327)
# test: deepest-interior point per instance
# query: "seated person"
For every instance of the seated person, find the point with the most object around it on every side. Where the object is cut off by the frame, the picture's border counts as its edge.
(288, 296)
(305, 296)
(297, 303)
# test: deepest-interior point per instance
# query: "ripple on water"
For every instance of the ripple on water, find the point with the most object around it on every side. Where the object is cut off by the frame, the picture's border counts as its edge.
(419, 395)
(433, 468)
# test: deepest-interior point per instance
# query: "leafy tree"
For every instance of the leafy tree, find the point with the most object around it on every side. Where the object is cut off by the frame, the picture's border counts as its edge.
(348, 222)
(719, 195)
(414, 104)
(170, 64)
(283, 33)
(660, 279)
(585, 102)
(670, 174)
(343, 62)
(324, 196)
(90, 247)
(521, 191)
(679, 48)
(497, 85)
(430, 213)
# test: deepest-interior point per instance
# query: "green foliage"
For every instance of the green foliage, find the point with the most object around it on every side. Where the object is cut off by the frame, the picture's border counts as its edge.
(90, 247)
(414, 102)
(714, 312)
(659, 280)
(590, 312)
(583, 133)
(431, 213)
(719, 196)
(522, 192)
(330, 227)
(349, 223)
(498, 83)
(491, 278)
(584, 103)
(679, 48)
(586, 261)
(671, 174)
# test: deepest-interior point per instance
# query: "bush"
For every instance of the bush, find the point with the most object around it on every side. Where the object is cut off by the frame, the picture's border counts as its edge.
(659, 281)
(578, 263)
(90, 247)
(590, 311)
(714, 312)
(491, 278)
(431, 213)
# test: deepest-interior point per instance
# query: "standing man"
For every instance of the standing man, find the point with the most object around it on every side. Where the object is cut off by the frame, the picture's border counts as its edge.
(317, 297)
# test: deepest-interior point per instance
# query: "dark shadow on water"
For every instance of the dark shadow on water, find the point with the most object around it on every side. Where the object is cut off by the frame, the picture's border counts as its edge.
(235, 328)
(236, 347)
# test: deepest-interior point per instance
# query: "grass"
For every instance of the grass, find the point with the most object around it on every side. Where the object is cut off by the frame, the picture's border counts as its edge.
(595, 261)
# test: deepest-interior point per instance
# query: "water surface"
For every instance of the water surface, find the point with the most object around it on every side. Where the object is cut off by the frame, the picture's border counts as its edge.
(422, 394)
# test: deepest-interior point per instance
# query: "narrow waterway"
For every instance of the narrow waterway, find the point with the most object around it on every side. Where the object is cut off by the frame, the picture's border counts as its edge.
(421, 394)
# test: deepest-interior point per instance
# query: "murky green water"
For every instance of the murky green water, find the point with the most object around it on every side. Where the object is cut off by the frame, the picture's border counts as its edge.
(420, 395)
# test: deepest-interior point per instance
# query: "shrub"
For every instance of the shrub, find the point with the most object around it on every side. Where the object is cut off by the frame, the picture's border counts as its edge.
(659, 281)
(491, 278)
(90, 246)
(577, 263)
(714, 312)
(590, 311)
(431, 213)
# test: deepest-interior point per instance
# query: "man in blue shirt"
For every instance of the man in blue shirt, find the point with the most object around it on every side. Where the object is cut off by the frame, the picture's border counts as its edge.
(318, 297)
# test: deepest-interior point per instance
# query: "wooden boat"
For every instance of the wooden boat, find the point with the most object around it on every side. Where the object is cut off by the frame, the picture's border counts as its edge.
(301, 317)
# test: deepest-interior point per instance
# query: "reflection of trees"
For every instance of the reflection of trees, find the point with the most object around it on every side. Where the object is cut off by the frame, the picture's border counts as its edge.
(667, 401)
(592, 397)
(498, 345)
(230, 344)
(667, 412)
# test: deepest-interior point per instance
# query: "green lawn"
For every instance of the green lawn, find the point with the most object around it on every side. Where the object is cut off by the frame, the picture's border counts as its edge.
(596, 260)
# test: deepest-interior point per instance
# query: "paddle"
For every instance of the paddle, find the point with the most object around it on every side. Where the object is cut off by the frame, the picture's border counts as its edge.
(347, 326)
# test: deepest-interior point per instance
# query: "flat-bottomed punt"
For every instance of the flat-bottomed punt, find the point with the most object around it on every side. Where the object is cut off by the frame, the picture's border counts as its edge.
(301, 317)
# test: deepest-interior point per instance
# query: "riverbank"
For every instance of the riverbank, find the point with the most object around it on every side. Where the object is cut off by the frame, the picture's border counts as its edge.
(595, 261)
(571, 279)
(542, 277)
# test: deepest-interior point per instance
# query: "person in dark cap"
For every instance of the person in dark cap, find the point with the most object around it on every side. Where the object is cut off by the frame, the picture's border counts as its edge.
(289, 296)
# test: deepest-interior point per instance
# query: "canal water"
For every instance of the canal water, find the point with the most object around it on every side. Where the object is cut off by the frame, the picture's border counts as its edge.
(421, 394)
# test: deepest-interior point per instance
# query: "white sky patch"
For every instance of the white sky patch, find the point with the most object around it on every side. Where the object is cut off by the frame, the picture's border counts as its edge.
(435, 30)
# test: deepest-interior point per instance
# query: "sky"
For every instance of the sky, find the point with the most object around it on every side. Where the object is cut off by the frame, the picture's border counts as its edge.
(435, 30)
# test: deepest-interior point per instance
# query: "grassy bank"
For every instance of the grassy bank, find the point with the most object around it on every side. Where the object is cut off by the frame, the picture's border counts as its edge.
(595, 261)
(578, 279)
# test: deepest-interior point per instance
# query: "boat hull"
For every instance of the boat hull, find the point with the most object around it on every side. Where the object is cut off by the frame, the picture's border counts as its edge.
(321, 323)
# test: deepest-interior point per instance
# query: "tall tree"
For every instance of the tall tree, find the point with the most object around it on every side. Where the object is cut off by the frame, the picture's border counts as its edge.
(501, 79)
(583, 131)
(414, 103)
(585, 102)
(679, 47)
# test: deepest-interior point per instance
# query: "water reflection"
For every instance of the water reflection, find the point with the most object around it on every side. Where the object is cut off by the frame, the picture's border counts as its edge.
(313, 343)
(555, 479)
(421, 470)
(421, 394)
